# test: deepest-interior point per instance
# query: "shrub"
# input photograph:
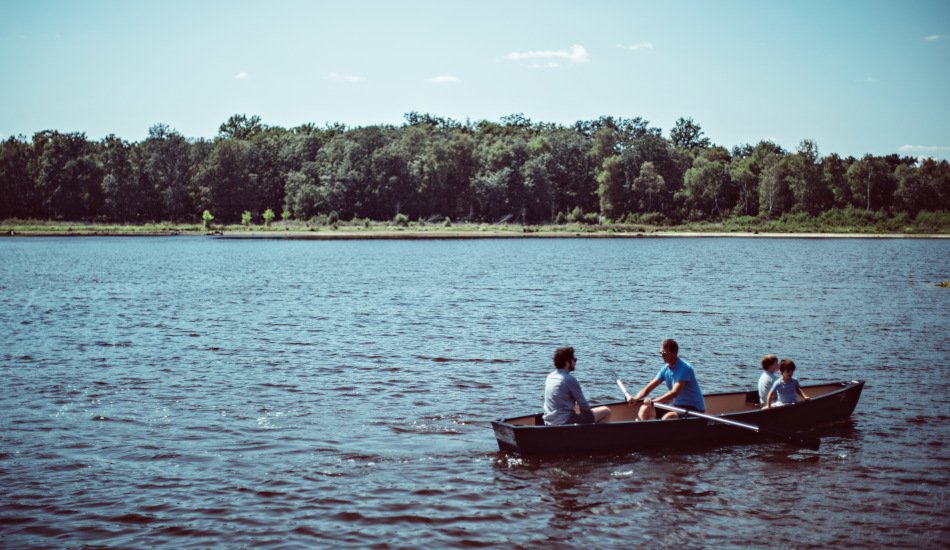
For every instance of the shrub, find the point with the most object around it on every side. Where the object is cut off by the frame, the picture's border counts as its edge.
(932, 222)
(653, 218)
(285, 215)
(333, 218)
(246, 218)
(447, 222)
(577, 215)
(206, 219)
(401, 220)
(560, 219)
(268, 217)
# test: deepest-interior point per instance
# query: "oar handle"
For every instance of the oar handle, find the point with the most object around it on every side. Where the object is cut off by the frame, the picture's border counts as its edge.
(802, 441)
(623, 389)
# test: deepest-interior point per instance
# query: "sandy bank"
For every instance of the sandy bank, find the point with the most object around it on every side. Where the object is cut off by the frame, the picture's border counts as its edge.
(396, 234)
(437, 235)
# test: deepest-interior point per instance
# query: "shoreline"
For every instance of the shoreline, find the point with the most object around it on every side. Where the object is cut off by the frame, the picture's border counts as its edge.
(465, 234)
(449, 235)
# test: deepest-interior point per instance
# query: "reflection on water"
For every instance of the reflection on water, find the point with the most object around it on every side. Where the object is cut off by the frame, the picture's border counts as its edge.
(177, 391)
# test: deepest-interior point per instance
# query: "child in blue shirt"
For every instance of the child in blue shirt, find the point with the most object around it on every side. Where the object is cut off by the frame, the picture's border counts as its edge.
(785, 388)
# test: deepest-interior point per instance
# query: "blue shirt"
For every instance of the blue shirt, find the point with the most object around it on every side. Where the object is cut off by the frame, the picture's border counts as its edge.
(765, 384)
(561, 392)
(787, 393)
(690, 395)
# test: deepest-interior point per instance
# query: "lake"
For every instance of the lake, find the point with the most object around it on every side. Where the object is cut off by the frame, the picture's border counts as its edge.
(200, 392)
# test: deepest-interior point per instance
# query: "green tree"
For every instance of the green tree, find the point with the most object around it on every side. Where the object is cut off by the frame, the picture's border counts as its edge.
(835, 174)
(226, 179)
(611, 182)
(443, 169)
(241, 127)
(69, 178)
(268, 217)
(687, 134)
(806, 180)
(871, 182)
(705, 189)
(303, 198)
(18, 196)
(647, 187)
(164, 168)
(651, 147)
(935, 175)
(122, 194)
(775, 196)
(491, 194)
(344, 169)
(912, 194)
(499, 187)
(559, 173)
(744, 176)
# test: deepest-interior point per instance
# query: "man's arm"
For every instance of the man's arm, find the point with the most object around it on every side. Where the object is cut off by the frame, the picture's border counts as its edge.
(645, 391)
(578, 394)
(674, 391)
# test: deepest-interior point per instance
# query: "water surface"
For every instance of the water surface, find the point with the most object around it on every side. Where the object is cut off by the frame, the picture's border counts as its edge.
(187, 391)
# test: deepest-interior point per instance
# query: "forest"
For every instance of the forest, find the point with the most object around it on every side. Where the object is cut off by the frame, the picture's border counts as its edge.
(431, 168)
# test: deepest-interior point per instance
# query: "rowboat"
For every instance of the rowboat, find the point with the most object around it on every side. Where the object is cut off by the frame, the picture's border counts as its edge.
(728, 419)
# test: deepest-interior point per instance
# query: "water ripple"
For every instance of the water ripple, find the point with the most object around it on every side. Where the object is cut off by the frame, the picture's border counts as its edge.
(185, 392)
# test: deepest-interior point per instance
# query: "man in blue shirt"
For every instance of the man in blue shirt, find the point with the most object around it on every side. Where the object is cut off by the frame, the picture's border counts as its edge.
(680, 380)
(564, 401)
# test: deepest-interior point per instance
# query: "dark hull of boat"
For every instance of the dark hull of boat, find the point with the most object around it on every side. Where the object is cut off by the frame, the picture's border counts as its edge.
(835, 402)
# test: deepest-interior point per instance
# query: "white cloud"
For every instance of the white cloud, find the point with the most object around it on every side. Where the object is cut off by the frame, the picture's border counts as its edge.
(445, 79)
(935, 37)
(242, 76)
(548, 65)
(637, 46)
(336, 77)
(574, 54)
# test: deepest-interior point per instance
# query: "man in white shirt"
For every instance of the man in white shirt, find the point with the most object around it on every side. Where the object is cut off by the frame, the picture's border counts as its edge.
(564, 401)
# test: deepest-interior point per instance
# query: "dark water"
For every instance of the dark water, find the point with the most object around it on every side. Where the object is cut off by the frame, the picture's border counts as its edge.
(196, 392)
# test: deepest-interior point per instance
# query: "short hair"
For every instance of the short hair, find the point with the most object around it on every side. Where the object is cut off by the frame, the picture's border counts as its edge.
(563, 356)
(786, 365)
(670, 345)
(768, 361)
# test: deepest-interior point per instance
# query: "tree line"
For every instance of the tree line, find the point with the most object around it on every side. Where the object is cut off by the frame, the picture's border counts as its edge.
(515, 170)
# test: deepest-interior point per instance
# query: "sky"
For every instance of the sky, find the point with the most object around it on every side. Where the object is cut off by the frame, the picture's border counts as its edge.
(854, 76)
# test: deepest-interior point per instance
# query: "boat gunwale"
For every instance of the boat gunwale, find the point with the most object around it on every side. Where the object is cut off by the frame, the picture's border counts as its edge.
(846, 385)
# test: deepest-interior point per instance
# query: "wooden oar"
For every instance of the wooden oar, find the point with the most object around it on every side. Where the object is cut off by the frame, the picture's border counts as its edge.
(807, 442)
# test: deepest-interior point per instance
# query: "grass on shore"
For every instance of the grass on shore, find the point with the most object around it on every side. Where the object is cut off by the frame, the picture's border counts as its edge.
(836, 221)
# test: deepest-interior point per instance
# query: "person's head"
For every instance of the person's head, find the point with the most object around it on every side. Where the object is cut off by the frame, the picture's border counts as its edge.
(787, 368)
(769, 362)
(564, 358)
(669, 350)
